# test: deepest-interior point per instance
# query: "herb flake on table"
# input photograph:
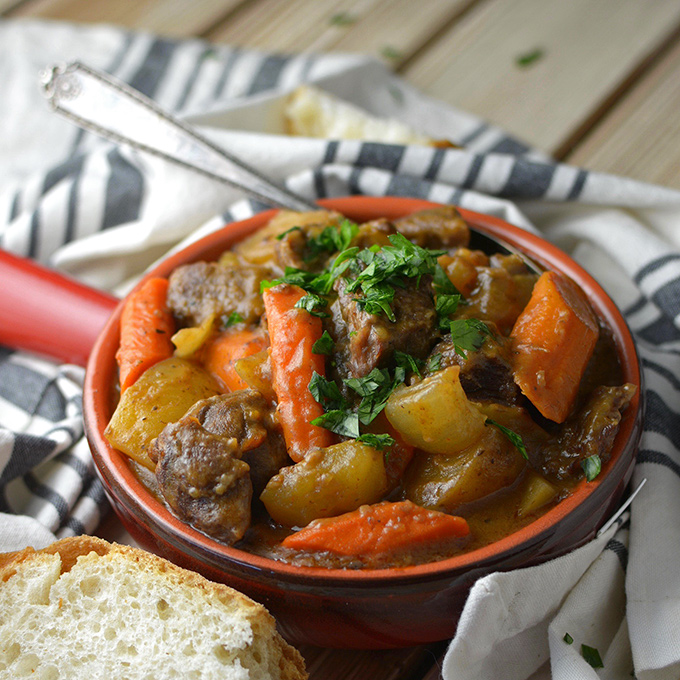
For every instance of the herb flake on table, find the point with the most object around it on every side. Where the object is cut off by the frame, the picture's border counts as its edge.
(592, 656)
(529, 58)
(342, 19)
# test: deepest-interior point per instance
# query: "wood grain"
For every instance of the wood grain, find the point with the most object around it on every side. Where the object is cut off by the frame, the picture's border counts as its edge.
(175, 18)
(393, 664)
(640, 136)
(588, 48)
(390, 30)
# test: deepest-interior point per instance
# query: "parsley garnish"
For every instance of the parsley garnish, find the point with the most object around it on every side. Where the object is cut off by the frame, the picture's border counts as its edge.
(442, 284)
(375, 389)
(591, 466)
(377, 441)
(342, 19)
(332, 239)
(512, 436)
(283, 234)
(524, 60)
(391, 52)
(592, 656)
(337, 417)
(233, 319)
(408, 362)
(446, 305)
(326, 392)
(568, 639)
(434, 363)
(384, 270)
(467, 335)
(324, 345)
(344, 423)
(314, 304)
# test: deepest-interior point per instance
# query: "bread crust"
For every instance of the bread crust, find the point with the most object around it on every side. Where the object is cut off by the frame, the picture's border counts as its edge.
(149, 566)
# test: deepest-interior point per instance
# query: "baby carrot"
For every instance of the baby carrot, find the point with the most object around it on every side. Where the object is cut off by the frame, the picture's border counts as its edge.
(146, 326)
(292, 334)
(378, 530)
(553, 340)
(221, 354)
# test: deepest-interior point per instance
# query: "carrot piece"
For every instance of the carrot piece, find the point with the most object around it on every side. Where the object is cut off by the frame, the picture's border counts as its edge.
(224, 350)
(292, 333)
(553, 340)
(378, 530)
(146, 326)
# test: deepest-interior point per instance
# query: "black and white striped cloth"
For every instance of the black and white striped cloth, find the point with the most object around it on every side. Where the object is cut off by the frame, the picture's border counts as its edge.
(104, 214)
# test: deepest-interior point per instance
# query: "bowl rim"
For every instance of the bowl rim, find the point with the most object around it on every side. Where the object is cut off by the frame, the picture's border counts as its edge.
(114, 470)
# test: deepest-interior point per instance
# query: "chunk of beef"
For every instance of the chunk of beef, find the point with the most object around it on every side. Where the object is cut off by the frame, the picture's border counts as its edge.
(441, 227)
(591, 431)
(485, 374)
(293, 248)
(249, 417)
(370, 340)
(203, 288)
(374, 233)
(202, 469)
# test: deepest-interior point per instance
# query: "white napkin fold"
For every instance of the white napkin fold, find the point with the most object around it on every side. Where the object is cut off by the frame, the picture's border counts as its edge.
(104, 214)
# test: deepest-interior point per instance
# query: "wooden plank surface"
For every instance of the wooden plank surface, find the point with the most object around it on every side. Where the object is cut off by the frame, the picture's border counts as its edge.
(588, 49)
(177, 18)
(389, 30)
(640, 136)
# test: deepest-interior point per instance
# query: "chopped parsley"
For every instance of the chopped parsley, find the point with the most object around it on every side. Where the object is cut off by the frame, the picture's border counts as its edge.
(385, 269)
(332, 239)
(568, 639)
(467, 335)
(408, 362)
(232, 319)
(592, 656)
(512, 436)
(529, 58)
(434, 363)
(592, 467)
(377, 441)
(342, 19)
(338, 417)
(324, 345)
(314, 304)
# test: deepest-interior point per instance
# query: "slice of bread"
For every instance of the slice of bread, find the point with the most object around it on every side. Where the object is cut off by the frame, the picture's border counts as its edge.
(311, 112)
(87, 609)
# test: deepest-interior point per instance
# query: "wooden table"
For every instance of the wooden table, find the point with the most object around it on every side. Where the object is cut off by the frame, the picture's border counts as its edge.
(592, 82)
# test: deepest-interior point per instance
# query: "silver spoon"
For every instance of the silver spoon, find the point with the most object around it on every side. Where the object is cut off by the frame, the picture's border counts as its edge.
(101, 104)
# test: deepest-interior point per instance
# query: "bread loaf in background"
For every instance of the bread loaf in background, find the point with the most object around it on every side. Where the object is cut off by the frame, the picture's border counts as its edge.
(311, 112)
(87, 609)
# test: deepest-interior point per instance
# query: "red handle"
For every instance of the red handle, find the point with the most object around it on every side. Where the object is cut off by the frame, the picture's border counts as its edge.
(44, 312)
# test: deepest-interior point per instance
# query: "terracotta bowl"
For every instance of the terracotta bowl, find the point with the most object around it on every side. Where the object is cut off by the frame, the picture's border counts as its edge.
(367, 608)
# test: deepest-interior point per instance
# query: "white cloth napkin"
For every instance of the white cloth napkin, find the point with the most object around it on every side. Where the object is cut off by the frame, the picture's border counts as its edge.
(104, 214)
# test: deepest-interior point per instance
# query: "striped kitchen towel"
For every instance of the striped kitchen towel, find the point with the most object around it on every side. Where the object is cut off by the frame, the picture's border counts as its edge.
(104, 214)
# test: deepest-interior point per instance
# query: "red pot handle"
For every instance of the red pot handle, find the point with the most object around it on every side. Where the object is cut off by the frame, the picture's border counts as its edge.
(47, 313)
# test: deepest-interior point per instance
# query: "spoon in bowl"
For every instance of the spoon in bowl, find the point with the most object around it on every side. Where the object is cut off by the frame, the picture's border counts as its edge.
(108, 107)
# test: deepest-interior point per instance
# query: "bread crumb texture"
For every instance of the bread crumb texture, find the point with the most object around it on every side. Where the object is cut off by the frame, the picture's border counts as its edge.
(118, 612)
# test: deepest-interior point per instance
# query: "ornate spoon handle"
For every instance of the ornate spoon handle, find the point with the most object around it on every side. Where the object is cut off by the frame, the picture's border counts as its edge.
(97, 102)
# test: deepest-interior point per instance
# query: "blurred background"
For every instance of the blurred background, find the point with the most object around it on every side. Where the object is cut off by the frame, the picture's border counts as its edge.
(591, 82)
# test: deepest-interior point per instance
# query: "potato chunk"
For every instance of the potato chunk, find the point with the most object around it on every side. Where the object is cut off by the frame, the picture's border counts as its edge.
(161, 395)
(435, 415)
(446, 482)
(326, 483)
